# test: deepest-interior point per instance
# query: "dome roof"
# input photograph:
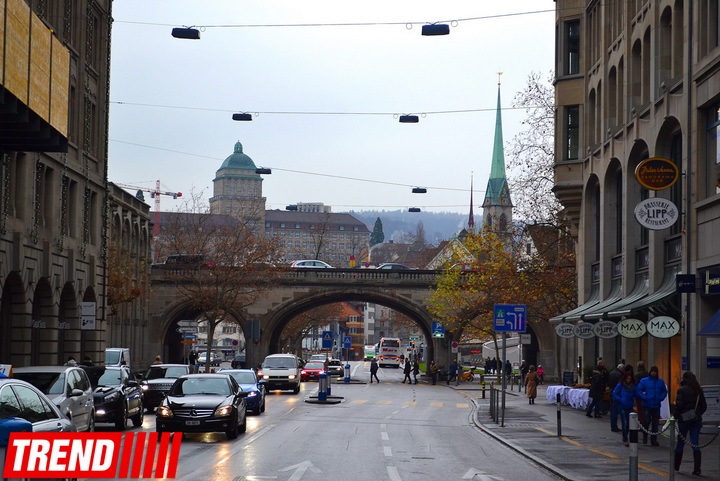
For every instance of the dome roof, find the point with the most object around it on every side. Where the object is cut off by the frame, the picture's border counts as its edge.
(238, 160)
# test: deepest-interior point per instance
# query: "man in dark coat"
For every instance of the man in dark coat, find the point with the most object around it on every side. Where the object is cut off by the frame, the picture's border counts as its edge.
(614, 378)
(597, 390)
(407, 370)
(373, 371)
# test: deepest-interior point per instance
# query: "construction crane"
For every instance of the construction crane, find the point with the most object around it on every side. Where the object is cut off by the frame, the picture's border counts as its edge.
(154, 194)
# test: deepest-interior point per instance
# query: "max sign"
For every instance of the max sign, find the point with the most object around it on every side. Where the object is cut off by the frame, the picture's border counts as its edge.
(663, 326)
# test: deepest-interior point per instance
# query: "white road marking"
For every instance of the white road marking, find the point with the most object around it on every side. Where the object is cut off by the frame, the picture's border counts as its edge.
(393, 473)
(385, 436)
(388, 451)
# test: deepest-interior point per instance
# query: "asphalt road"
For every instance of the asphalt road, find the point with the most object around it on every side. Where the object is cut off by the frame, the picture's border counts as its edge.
(387, 431)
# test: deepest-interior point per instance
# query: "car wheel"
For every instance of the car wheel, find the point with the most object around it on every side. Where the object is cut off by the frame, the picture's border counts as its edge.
(137, 420)
(122, 419)
(262, 406)
(91, 423)
(242, 427)
(232, 433)
(296, 390)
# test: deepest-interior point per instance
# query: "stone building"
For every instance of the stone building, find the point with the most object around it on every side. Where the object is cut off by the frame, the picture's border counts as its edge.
(638, 80)
(53, 171)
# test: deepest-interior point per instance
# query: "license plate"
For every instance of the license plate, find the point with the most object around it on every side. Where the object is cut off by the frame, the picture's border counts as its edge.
(192, 423)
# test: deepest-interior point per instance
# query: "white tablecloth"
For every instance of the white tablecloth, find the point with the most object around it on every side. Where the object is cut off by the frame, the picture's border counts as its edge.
(577, 398)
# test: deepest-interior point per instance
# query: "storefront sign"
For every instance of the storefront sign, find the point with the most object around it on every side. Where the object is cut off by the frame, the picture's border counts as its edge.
(711, 281)
(684, 282)
(663, 326)
(657, 173)
(656, 213)
(584, 330)
(605, 329)
(631, 328)
(565, 330)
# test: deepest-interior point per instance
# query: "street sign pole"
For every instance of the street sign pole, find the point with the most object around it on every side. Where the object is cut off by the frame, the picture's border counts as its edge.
(504, 379)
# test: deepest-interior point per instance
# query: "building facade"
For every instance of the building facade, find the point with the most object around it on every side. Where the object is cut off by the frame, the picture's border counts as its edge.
(637, 80)
(53, 152)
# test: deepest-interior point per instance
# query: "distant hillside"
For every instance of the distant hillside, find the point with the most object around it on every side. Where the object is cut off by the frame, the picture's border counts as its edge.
(401, 225)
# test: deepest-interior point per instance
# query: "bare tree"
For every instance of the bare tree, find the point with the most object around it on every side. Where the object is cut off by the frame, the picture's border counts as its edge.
(303, 325)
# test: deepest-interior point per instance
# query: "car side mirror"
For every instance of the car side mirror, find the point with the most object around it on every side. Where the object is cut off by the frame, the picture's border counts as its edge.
(76, 392)
(133, 384)
(139, 376)
(243, 393)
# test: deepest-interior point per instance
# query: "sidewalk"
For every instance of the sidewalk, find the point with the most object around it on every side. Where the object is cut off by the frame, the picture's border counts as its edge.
(587, 450)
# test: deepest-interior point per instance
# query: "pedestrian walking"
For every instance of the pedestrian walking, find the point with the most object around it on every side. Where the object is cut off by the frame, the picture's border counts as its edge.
(494, 366)
(508, 370)
(690, 405)
(614, 378)
(624, 397)
(598, 383)
(416, 370)
(452, 372)
(157, 360)
(434, 370)
(373, 371)
(541, 374)
(652, 391)
(640, 374)
(531, 382)
(71, 361)
(524, 369)
(407, 370)
(488, 365)
(87, 361)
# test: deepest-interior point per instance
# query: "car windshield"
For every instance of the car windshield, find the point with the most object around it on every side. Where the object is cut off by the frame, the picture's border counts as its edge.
(314, 365)
(280, 362)
(112, 357)
(244, 377)
(47, 382)
(200, 385)
(100, 376)
(334, 363)
(159, 372)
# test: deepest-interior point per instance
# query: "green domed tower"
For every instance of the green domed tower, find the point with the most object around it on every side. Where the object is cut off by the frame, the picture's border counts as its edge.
(237, 189)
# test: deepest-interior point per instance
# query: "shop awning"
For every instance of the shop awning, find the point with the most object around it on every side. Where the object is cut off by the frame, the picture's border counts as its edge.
(712, 328)
(640, 290)
(663, 294)
(614, 296)
(593, 300)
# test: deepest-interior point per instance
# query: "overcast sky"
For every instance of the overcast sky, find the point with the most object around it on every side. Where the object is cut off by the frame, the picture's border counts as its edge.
(172, 99)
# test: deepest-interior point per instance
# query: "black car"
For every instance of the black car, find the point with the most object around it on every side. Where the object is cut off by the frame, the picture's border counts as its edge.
(157, 382)
(335, 367)
(203, 403)
(116, 394)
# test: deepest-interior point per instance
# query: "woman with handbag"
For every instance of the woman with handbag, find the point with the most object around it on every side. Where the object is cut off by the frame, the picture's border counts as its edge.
(690, 405)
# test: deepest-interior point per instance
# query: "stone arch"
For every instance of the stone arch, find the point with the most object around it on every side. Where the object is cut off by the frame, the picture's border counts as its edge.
(43, 332)
(12, 314)
(281, 315)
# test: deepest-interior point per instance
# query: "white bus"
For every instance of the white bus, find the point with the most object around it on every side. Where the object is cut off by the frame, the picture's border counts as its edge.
(369, 352)
(389, 351)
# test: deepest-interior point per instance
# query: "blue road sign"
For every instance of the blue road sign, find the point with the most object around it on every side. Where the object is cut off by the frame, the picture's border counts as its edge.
(189, 336)
(327, 340)
(438, 329)
(347, 342)
(509, 318)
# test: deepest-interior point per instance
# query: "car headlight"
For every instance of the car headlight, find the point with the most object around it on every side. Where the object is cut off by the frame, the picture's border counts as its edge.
(164, 412)
(266, 376)
(224, 411)
(113, 396)
(144, 387)
(252, 393)
(292, 376)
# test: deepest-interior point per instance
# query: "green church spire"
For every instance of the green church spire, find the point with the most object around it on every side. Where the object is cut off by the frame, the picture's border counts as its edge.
(497, 192)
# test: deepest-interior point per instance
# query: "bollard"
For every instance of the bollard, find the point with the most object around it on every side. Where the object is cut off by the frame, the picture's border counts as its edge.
(673, 439)
(322, 387)
(633, 436)
(559, 421)
(329, 384)
(483, 390)
(347, 372)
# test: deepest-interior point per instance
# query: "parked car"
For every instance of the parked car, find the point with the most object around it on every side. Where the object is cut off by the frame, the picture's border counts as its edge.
(336, 367)
(68, 387)
(249, 382)
(21, 399)
(186, 261)
(238, 361)
(281, 371)
(395, 267)
(312, 370)
(117, 395)
(157, 382)
(311, 264)
(203, 403)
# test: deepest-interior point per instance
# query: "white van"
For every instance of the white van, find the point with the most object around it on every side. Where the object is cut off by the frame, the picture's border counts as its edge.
(281, 371)
(117, 356)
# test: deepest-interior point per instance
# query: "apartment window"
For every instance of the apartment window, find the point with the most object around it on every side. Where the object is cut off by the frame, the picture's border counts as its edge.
(297, 226)
(282, 226)
(572, 47)
(676, 189)
(712, 156)
(356, 228)
(618, 213)
(342, 227)
(573, 131)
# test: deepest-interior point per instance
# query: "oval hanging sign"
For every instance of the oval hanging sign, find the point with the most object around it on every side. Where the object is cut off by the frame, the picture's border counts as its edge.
(657, 173)
(605, 329)
(565, 330)
(631, 328)
(656, 213)
(584, 330)
(663, 327)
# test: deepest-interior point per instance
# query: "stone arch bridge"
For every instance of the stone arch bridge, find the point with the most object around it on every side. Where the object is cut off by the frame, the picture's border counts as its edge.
(297, 291)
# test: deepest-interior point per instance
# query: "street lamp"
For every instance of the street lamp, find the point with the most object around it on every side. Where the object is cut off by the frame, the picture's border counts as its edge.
(409, 119)
(244, 117)
(414, 209)
(187, 33)
(419, 190)
(435, 29)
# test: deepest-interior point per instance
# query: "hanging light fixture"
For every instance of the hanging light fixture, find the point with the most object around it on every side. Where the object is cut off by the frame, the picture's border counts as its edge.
(409, 119)
(414, 209)
(188, 33)
(263, 170)
(419, 190)
(291, 207)
(244, 117)
(435, 29)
